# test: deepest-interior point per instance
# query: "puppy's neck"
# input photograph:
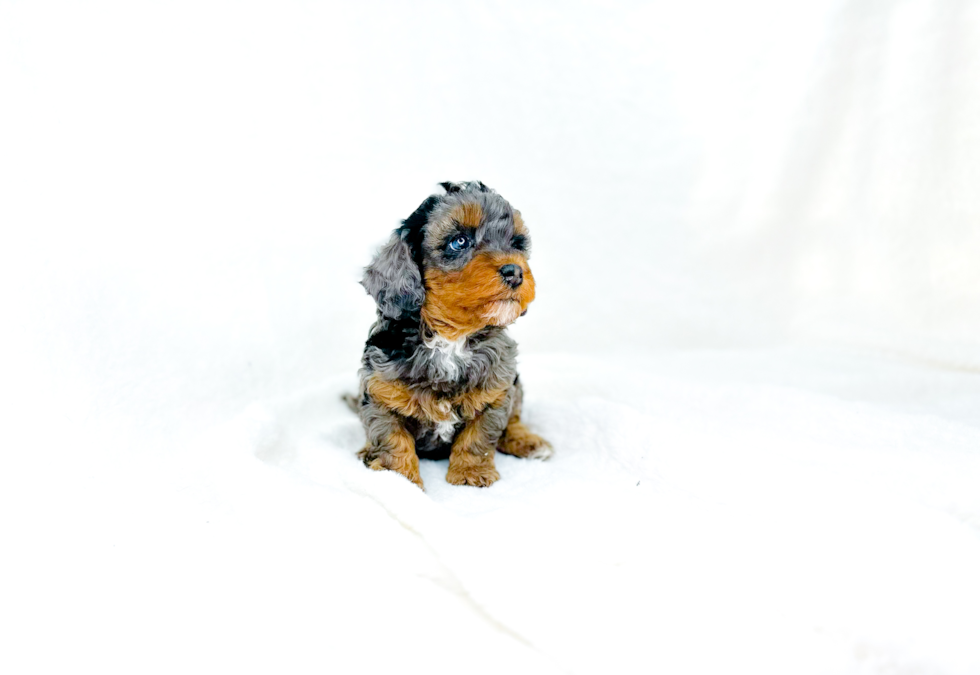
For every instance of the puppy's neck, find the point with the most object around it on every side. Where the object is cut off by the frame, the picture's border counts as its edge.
(454, 342)
(432, 327)
(448, 348)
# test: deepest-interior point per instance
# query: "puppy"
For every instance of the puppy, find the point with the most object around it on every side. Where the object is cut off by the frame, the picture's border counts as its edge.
(439, 374)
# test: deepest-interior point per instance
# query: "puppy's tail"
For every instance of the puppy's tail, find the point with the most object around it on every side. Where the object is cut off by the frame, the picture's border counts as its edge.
(351, 400)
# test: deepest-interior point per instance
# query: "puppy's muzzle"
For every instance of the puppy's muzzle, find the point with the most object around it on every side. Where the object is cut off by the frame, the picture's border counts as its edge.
(512, 275)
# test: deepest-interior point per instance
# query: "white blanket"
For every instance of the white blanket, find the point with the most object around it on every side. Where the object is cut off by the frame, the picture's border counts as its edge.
(704, 512)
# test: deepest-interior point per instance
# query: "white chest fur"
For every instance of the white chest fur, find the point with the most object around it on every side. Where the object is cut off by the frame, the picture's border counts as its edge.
(449, 357)
(445, 430)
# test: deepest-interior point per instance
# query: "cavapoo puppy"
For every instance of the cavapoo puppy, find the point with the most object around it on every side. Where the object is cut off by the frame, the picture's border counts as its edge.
(439, 374)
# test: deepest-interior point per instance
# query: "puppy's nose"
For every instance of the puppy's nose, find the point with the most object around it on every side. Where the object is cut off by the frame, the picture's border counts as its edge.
(513, 275)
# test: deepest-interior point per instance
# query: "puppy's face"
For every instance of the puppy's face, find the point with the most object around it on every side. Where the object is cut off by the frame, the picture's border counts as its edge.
(460, 260)
(475, 265)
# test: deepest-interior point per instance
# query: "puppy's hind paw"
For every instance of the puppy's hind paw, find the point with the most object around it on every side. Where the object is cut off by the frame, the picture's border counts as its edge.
(542, 452)
(520, 442)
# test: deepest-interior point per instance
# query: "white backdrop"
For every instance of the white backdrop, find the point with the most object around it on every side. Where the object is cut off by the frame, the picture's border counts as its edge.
(189, 191)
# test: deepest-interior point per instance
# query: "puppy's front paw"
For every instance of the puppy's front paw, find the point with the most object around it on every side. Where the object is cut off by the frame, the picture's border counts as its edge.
(380, 460)
(477, 474)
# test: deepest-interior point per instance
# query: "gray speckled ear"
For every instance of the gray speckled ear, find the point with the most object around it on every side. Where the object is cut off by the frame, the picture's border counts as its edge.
(452, 187)
(394, 280)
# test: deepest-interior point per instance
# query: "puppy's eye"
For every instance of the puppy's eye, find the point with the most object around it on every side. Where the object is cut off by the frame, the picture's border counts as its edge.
(519, 242)
(460, 243)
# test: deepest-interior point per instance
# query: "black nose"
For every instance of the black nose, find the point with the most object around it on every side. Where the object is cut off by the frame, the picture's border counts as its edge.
(513, 275)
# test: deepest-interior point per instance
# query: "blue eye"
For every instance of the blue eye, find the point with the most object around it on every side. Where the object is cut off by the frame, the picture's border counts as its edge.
(459, 243)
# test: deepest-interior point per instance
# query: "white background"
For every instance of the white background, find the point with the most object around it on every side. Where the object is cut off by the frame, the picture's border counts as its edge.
(720, 194)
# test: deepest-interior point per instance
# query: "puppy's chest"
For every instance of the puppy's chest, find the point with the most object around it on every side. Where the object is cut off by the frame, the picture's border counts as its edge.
(439, 405)
(431, 406)
(442, 385)
(446, 360)
(444, 413)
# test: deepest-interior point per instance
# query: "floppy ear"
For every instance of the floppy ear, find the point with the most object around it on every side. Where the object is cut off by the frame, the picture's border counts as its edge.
(393, 278)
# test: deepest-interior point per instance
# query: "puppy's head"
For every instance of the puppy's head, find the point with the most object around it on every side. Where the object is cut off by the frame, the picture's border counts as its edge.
(459, 261)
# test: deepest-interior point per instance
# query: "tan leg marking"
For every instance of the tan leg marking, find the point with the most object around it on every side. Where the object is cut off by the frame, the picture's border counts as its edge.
(423, 405)
(398, 455)
(474, 402)
(518, 441)
(471, 460)
(408, 401)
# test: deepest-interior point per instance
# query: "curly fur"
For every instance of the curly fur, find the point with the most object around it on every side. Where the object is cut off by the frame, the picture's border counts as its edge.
(439, 374)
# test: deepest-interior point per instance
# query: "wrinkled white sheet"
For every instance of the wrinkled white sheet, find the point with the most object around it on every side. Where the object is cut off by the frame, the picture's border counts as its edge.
(764, 512)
